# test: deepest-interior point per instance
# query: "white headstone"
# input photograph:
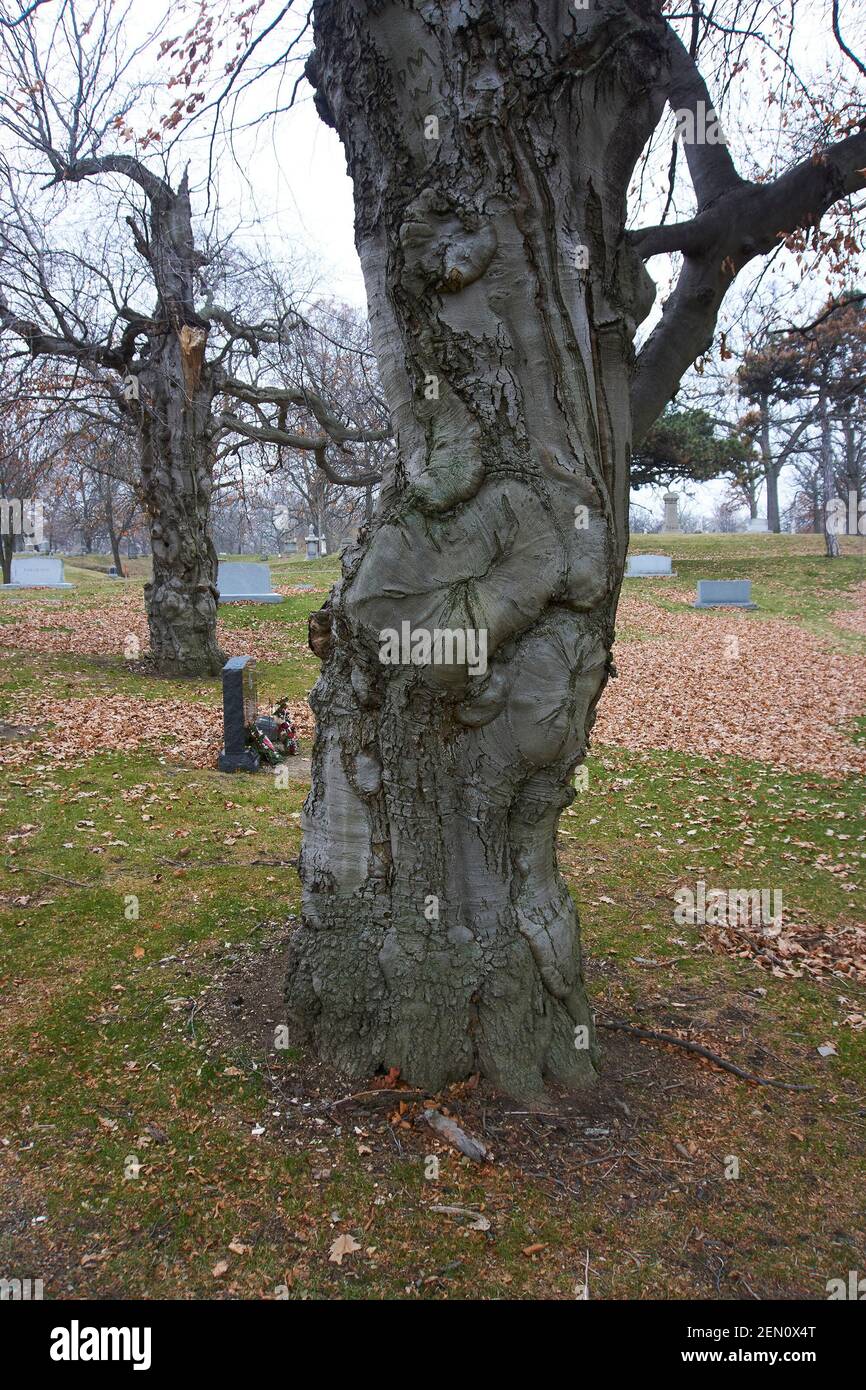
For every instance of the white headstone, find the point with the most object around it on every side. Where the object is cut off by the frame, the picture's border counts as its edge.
(37, 572)
(239, 582)
(642, 566)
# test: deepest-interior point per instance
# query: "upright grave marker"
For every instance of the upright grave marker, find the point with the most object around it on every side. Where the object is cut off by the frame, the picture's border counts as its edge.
(242, 582)
(724, 593)
(649, 567)
(240, 706)
(37, 572)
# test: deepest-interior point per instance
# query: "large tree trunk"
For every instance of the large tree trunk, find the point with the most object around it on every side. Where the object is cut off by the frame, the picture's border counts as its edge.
(176, 485)
(110, 525)
(828, 488)
(851, 477)
(438, 935)
(771, 471)
(176, 389)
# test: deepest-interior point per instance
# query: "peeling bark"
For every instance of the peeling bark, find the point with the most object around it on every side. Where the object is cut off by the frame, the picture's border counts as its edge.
(438, 935)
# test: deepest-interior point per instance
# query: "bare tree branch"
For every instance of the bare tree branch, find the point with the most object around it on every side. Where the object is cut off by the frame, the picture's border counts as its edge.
(748, 221)
(837, 34)
(315, 444)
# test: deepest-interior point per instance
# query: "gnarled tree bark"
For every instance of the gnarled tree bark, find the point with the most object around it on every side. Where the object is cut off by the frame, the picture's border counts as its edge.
(175, 388)
(438, 935)
(491, 144)
(177, 433)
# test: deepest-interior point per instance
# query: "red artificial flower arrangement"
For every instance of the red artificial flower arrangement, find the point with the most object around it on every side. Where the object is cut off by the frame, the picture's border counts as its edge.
(281, 739)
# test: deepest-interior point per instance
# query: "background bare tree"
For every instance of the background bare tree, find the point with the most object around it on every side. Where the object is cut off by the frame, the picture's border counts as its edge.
(66, 98)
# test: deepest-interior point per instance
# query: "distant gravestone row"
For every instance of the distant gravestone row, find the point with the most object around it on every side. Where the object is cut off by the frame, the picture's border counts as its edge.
(37, 572)
(712, 593)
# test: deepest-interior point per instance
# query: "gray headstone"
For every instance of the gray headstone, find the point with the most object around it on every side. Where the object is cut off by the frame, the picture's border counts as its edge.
(239, 582)
(312, 546)
(37, 572)
(291, 547)
(724, 593)
(641, 566)
(240, 707)
(672, 516)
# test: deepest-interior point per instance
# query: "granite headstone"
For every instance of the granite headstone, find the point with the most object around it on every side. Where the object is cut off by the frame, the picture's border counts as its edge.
(648, 566)
(241, 582)
(37, 572)
(672, 515)
(240, 707)
(724, 593)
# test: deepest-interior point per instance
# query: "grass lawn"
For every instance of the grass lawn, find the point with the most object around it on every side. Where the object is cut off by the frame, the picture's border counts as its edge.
(158, 1139)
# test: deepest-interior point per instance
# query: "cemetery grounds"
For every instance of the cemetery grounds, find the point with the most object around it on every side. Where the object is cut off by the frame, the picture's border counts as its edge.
(157, 1141)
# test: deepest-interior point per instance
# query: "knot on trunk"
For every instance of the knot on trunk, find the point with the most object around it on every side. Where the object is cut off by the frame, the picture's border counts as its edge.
(320, 633)
(445, 248)
(320, 101)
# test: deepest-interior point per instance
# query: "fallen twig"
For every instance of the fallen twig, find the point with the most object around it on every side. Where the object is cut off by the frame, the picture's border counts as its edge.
(657, 964)
(478, 1222)
(701, 1051)
(457, 1137)
(43, 873)
(382, 1095)
(582, 1290)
